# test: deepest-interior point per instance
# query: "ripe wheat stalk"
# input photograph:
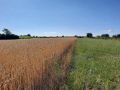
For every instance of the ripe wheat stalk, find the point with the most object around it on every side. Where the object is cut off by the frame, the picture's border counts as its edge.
(31, 64)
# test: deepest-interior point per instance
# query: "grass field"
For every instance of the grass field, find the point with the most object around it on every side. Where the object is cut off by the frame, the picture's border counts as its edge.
(45, 64)
(95, 65)
(34, 64)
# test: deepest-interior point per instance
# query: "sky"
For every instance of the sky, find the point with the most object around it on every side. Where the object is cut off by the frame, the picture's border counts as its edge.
(60, 17)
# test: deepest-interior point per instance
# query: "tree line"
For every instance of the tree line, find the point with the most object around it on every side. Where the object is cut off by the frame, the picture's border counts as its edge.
(8, 35)
(103, 36)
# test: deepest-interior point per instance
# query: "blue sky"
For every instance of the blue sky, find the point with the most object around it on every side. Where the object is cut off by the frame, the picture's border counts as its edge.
(60, 17)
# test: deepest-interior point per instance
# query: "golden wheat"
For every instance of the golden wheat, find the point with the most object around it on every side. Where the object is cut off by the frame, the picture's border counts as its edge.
(27, 64)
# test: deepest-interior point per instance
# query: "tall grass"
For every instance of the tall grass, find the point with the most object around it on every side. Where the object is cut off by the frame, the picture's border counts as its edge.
(35, 64)
(95, 65)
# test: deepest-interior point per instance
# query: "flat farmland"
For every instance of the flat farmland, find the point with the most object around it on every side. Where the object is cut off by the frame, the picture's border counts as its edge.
(95, 65)
(34, 64)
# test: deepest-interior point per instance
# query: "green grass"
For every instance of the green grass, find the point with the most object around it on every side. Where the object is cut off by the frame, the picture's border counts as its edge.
(25, 37)
(95, 65)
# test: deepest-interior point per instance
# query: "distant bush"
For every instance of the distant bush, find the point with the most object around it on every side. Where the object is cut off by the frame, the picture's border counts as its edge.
(25, 37)
(114, 36)
(89, 35)
(98, 37)
(76, 36)
(79, 36)
(105, 36)
(118, 35)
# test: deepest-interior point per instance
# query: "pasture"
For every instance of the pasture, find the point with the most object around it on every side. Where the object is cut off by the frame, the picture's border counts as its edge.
(95, 65)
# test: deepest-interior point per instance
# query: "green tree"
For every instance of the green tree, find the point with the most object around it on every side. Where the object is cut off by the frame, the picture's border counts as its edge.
(6, 31)
(89, 35)
(105, 36)
(29, 35)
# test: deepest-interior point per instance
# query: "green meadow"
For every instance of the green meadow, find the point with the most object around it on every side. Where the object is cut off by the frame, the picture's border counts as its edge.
(95, 65)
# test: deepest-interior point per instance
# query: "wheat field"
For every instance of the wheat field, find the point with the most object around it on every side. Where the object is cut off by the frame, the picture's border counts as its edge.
(34, 64)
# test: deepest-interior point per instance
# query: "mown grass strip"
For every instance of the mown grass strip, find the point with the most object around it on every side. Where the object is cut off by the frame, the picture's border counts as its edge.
(95, 66)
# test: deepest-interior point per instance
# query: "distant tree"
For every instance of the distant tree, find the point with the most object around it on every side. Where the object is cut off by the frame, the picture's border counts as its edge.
(98, 37)
(118, 35)
(25, 37)
(29, 35)
(33, 36)
(76, 36)
(8, 35)
(105, 36)
(63, 36)
(2, 36)
(89, 35)
(6, 31)
(114, 36)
